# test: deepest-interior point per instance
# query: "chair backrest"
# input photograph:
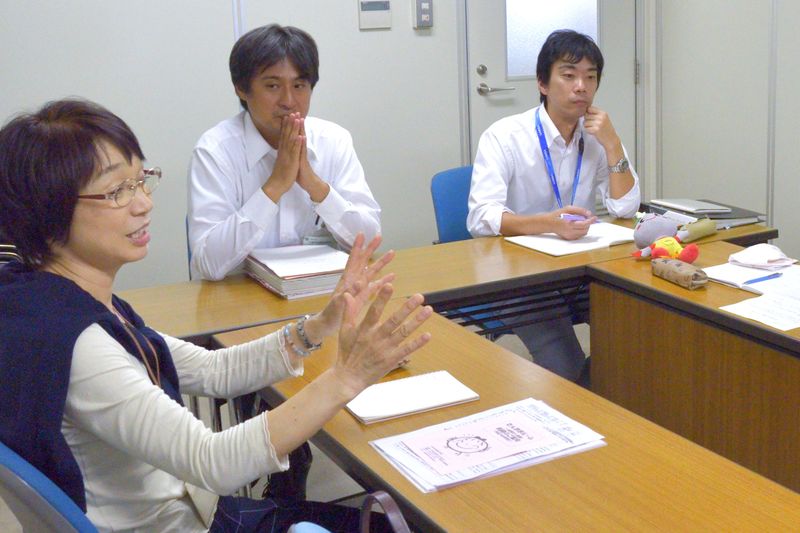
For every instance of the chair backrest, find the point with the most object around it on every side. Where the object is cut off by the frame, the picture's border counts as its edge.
(37, 503)
(450, 192)
(8, 252)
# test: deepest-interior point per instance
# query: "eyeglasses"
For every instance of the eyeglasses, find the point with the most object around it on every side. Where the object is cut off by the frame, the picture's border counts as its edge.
(123, 195)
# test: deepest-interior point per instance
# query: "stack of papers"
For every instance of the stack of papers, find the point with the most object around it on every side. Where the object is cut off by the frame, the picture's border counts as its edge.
(779, 305)
(486, 444)
(297, 271)
(601, 235)
(415, 394)
(724, 216)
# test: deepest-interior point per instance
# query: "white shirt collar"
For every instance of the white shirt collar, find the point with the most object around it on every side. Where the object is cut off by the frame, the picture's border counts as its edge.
(551, 131)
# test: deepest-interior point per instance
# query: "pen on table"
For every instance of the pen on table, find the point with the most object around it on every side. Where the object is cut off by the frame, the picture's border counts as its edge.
(764, 278)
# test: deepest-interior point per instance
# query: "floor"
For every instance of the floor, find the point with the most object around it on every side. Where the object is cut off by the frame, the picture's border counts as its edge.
(327, 482)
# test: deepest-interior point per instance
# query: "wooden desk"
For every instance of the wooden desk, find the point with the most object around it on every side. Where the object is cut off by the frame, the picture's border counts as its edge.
(670, 355)
(195, 310)
(480, 266)
(454, 274)
(646, 478)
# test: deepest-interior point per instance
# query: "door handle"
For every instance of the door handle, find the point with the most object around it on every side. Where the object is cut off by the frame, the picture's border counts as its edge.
(484, 89)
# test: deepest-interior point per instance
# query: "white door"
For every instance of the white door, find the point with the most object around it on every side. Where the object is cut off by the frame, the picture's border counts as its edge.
(487, 67)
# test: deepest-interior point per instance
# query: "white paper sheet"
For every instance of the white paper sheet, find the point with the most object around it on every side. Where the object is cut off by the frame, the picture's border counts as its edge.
(773, 309)
(548, 434)
(600, 235)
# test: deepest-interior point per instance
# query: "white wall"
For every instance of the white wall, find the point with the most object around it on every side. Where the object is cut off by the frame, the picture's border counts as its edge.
(716, 102)
(787, 148)
(162, 66)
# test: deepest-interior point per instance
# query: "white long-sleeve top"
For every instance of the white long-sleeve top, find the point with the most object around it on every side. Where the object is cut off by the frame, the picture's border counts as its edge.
(137, 448)
(509, 173)
(229, 214)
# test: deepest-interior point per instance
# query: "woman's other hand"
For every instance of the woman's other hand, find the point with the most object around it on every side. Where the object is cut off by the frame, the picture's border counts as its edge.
(360, 279)
(370, 349)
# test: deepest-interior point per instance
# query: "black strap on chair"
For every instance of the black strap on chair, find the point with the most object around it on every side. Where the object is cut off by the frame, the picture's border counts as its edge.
(390, 508)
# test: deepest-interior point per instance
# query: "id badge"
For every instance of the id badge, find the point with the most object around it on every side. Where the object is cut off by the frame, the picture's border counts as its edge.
(320, 239)
(320, 235)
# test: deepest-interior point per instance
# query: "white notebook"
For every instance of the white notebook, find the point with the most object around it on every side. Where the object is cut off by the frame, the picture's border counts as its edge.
(302, 260)
(392, 399)
(785, 281)
(601, 235)
(691, 206)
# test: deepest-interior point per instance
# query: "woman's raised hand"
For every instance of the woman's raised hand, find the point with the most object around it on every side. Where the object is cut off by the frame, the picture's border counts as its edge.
(360, 280)
(370, 349)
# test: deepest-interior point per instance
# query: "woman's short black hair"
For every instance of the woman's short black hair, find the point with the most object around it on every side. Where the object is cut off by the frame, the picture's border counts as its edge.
(263, 47)
(46, 158)
(567, 45)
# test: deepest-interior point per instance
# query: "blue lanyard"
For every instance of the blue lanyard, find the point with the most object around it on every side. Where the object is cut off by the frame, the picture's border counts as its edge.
(549, 162)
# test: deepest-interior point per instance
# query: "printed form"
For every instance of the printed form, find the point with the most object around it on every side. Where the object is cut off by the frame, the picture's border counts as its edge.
(489, 443)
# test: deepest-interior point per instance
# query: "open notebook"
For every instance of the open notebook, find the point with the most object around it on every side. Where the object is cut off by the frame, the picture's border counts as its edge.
(392, 399)
(601, 235)
(785, 281)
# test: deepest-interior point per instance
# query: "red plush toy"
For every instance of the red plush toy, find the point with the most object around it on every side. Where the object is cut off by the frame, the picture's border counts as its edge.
(669, 247)
(659, 236)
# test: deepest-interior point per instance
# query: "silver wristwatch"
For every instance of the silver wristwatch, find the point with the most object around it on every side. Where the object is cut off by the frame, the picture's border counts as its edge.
(621, 166)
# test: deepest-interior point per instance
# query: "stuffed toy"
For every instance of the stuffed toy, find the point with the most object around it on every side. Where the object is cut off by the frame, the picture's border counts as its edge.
(659, 236)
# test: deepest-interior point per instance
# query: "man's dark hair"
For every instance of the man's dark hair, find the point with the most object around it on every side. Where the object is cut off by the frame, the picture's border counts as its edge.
(263, 47)
(566, 45)
(46, 158)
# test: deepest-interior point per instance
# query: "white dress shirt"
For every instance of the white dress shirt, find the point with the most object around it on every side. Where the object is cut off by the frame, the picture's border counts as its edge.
(229, 214)
(509, 174)
(137, 448)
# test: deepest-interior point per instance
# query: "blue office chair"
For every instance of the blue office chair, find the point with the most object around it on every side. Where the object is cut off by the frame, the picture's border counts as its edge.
(37, 503)
(450, 192)
(450, 195)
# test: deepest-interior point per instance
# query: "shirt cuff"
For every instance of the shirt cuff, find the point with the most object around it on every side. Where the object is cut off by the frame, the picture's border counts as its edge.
(627, 205)
(259, 209)
(332, 207)
(282, 462)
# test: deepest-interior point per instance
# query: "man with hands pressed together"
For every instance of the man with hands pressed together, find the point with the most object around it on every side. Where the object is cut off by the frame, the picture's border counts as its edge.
(543, 170)
(271, 176)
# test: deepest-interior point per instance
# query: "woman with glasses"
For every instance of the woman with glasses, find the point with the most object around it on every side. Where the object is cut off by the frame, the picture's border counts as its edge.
(92, 397)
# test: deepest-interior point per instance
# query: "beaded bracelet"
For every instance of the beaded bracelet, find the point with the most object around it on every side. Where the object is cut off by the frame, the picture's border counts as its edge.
(288, 338)
(301, 332)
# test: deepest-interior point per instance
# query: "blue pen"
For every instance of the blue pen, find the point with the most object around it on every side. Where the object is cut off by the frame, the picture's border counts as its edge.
(568, 216)
(764, 278)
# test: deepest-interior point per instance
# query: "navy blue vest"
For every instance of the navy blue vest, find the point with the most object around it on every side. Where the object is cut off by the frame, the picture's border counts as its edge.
(41, 317)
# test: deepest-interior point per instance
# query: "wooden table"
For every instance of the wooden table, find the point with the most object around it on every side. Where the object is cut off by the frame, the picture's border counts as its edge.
(195, 310)
(671, 355)
(480, 266)
(450, 275)
(646, 478)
